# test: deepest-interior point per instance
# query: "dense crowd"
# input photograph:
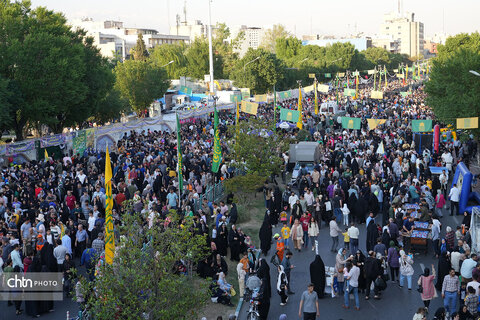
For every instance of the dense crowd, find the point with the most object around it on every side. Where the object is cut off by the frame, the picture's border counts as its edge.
(52, 213)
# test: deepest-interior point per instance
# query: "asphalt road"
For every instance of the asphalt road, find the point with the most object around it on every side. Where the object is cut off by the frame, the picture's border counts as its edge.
(396, 303)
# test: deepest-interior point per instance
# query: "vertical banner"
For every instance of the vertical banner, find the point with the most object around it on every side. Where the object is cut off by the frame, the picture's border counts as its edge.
(300, 118)
(316, 98)
(109, 238)
(90, 137)
(79, 143)
(217, 149)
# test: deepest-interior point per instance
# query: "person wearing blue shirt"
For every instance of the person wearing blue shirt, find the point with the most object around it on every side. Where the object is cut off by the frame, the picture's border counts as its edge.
(172, 199)
(88, 259)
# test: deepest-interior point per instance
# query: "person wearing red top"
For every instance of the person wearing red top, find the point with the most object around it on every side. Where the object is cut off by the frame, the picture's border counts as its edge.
(304, 221)
(70, 200)
(120, 198)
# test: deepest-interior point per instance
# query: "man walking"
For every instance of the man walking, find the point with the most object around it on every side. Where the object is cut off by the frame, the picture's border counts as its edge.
(454, 196)
(287, 267)
(353, 233)
(309, 304)
(450, 291)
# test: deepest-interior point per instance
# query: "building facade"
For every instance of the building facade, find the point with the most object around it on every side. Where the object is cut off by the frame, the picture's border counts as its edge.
(251, 38)
(406, 31)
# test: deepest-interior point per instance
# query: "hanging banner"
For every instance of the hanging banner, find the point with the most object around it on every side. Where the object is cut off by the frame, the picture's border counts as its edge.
(351, 123)
(376, 95)
(54, 140)
(349, 92)
(467, 123)
(323, 88)
(308, 89)
(90, 138)
(311, 75)
(289, 115)
(421, 125)
(400, 75)
(355, 73)
(372, 71)
(373, 123)
(79, 142)
(185, 90)
(260, 98)
(395, 70)
(405, 94)
(249, 107)
(245, 93)
(236, 97)
(328, 75)
(341, 74)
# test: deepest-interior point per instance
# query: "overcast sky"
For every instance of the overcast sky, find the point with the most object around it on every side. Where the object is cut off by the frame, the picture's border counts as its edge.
(334, 17)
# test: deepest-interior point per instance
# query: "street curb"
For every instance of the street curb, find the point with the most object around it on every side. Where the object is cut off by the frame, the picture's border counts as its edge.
(239, 307)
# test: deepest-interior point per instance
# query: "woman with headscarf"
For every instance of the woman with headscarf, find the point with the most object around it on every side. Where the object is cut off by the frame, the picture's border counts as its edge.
(282, 284)
(31, 306)
(234, 243)
(359, 260)
(277, 206)
(393, 260)
(263, 273)
(426, 281)
(439, 203)
(265, 235)
(450, 240)
(222, 240)
(317, 276)
(372, 235)
(440, 314)
(444, 267)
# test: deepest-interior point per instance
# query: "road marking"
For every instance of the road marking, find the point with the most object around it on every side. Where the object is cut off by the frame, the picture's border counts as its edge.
(239, 307)
(456, 220)
(423, 267)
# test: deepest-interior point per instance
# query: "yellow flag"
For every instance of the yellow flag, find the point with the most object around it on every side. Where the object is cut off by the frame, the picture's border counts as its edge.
(46, 155)
(467, 123)
(373, 123)
(109, 238)
(316, 99)
(300, 118)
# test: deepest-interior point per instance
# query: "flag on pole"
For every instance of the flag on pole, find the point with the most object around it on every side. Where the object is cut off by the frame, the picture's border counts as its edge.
(300, 118)
(386, 81)
(217, 150)
(467, 123)
(109, 238)
(237, 118)
(316, 99)
(356, 85)
(373, 123)
(179, 158)
(289, 115)
(46, 155)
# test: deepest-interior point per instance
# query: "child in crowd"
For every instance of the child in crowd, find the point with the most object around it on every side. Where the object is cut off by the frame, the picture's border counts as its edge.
(346, 239)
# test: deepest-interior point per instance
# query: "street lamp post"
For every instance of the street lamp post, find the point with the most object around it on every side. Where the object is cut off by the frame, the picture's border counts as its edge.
(246, 64)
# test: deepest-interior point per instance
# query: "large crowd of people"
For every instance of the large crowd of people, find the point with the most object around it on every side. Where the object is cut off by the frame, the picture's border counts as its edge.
(52, 213)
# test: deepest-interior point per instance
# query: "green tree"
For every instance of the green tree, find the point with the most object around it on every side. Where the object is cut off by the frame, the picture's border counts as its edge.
(142, 282)
(141, 82)
(60, 76)
(111, 107)
(140, 50)
(261, 75)
(377, 56)
(269, 40)
(198, 60)
(460, 41)
(340, 55)
(287, 48)
(452, 90)
(162, 55)
(252, 135)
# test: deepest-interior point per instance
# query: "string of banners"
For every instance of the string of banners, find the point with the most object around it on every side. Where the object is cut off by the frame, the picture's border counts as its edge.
(417, 125)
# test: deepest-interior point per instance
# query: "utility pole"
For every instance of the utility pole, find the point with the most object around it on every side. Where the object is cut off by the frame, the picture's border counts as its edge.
(210, 48)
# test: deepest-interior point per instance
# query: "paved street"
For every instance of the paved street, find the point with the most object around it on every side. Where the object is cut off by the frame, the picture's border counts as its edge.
(396, 303)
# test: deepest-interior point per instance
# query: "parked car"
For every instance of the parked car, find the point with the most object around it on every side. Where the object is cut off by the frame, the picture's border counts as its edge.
(299, 168)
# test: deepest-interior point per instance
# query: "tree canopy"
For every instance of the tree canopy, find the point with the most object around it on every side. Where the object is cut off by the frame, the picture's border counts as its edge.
(270, 37)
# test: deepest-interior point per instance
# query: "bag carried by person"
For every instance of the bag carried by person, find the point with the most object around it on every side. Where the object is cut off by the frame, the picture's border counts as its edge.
(380, 284)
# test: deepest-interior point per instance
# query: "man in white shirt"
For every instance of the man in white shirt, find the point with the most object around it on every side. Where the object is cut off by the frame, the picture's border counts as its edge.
(353, 233)
(292, 199)
(309, 197)
(59, 253)
(67, 241)
(454, 196)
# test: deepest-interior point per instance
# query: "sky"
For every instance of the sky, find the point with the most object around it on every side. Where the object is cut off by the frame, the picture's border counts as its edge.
(301, 17)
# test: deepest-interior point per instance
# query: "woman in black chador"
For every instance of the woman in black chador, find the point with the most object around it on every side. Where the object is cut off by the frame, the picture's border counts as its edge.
(317, 276)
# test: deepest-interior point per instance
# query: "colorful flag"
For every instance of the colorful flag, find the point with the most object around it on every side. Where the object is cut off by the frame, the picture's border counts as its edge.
(217, 150)
(328, 75)
(249, 107)
(109, 238)
(186, 90)
(260, 98)
(349, 92)
(245, 93)
(289, 115)
(386, 81)
(351, 123)
(236, 97)
(373, 123)
(179, 158)
(323, 88)
(316, 98)
(308, 89)
(300, 118)
(356, 84)
(467, 123)
(237, 117)
(421, 125)
(311, 75)
(46, 155)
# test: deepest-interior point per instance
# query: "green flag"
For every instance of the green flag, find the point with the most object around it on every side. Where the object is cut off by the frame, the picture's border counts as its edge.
(289, 115)
(351, 123)
(217, 150)
(186, 90)
(421, 125)
(349, 92)
(236, 97)
(179, 157)
(328, 75)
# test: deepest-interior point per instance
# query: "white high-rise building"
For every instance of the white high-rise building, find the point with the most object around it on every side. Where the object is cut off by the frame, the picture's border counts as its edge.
(252, 38)
(408, 33)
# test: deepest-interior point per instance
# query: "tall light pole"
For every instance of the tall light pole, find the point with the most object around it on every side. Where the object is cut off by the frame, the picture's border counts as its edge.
(210, 48)
(246, 64)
